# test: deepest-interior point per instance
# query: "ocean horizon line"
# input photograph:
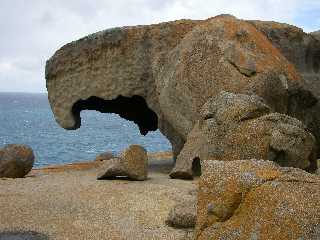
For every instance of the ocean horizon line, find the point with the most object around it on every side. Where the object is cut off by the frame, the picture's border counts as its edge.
(18, 92)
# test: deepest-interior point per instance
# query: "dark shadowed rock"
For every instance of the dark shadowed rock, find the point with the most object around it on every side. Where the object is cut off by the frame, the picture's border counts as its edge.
(316, 34)
(132, 163)
(23, 236)
(16, 161)
(250, 199)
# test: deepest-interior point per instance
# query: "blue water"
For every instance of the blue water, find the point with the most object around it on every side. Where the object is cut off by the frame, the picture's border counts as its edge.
(27, 119)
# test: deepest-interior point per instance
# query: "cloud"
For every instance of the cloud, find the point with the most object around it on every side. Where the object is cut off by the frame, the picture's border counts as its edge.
(33, 30)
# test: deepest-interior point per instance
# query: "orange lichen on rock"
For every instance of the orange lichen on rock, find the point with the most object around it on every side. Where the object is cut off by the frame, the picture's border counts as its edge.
(269, 205)
(175, 68)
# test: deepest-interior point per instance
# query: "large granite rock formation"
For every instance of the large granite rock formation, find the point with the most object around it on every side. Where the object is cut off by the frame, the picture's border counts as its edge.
(16, 161)
(250, 199)
(160, 76)
(239, 126)
(302, 50)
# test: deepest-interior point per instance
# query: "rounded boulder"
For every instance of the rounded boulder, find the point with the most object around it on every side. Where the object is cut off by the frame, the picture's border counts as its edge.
(135, 160)
(16, 161)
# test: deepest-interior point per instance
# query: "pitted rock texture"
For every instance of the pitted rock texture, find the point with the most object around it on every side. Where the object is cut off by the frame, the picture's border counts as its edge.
(252, 199)
(302, 50)
(160, 76)
(16, 161)
(239, 126)
(183, 214)
(133, 163)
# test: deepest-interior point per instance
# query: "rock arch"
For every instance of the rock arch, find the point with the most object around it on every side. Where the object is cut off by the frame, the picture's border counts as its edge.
(176, 67)
(132, 108)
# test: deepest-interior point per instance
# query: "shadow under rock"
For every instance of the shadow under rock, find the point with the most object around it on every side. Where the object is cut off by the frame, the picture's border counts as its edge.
(161, 166)
(21, 235)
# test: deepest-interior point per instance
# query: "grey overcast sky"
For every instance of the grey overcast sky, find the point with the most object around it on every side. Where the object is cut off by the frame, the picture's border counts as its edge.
(32, 30)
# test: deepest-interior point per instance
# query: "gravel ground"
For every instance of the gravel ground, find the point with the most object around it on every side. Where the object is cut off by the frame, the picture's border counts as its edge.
(67, 202)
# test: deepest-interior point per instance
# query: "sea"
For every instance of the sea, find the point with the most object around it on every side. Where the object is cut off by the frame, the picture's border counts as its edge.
(26, 118)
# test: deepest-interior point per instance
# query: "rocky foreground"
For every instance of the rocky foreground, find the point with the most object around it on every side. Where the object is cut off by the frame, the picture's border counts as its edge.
(244, 199)
(67, 202)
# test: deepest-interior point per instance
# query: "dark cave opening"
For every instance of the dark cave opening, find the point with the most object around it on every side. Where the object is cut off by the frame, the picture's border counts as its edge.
(196, 167)
(132, 108)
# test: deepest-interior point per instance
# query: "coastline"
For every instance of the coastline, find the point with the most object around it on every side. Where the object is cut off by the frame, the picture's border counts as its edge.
(89, 164)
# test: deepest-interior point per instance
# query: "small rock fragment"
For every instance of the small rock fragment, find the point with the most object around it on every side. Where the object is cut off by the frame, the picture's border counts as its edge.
(104, 156)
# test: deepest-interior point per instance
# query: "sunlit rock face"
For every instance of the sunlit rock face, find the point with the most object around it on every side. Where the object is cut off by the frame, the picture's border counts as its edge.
(254, 199)
(160, 76)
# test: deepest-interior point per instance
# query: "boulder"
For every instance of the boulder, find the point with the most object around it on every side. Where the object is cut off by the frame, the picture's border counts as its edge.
(183, 214)
(159, 76)
(303, 51)
(111, 169)
(253, 199)
(132, 163)
(104, 156)
(16, 161)
(239, 126)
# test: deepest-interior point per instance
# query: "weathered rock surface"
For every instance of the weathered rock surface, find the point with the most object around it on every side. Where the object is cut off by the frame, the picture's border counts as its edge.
(160, 76)
(16, 161)
(302, 50)
(316, 34)
(133, 163)
(250, 199)
(183, 214)
(104, 156)
(239, 126)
